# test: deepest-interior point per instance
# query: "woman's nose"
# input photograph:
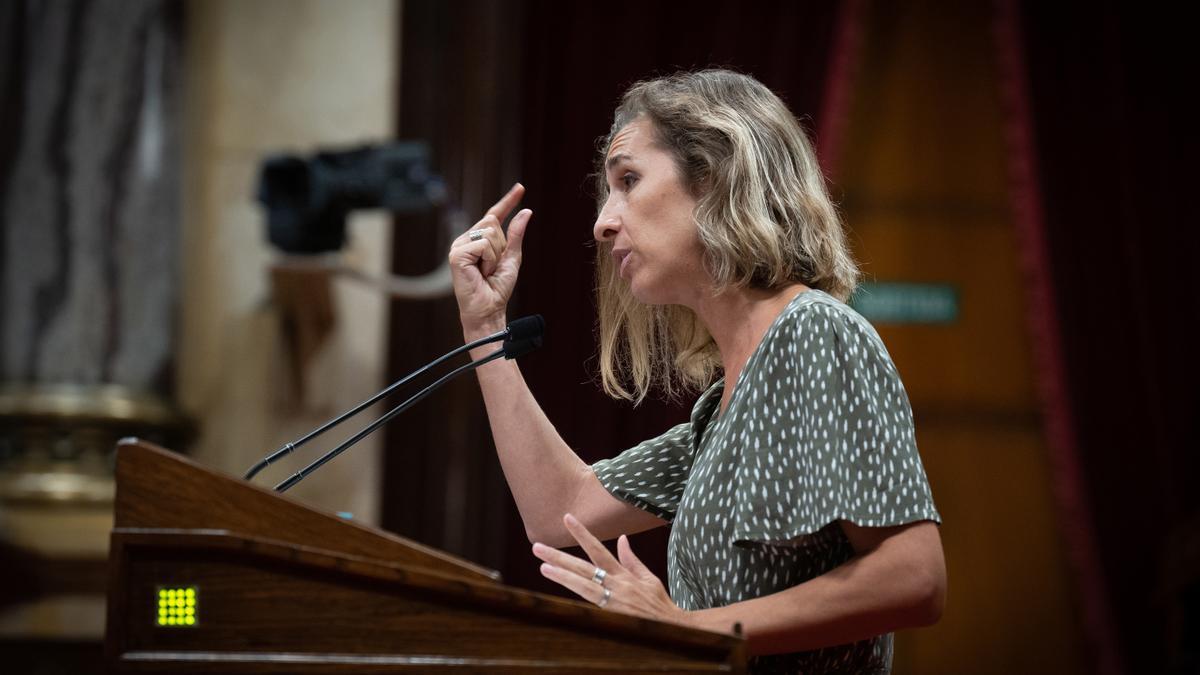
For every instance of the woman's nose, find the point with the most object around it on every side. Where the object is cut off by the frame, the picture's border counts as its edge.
(607, 225)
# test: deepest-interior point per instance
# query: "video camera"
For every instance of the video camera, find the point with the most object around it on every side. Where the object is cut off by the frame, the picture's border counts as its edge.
(307, 200)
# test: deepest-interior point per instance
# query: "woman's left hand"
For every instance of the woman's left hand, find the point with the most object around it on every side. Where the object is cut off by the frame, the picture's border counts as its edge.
(627, 585)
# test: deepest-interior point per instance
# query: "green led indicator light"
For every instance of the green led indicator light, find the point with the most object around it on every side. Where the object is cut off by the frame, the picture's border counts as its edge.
(177, 606)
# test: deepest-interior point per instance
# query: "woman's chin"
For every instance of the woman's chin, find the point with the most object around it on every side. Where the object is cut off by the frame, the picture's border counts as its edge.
(650, 294)
(641, 295)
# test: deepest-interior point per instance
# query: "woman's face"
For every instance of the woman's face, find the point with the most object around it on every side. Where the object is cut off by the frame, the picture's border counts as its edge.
(648, 219)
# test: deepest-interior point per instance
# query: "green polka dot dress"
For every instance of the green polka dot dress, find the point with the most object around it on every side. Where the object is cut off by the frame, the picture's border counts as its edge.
(819, 429)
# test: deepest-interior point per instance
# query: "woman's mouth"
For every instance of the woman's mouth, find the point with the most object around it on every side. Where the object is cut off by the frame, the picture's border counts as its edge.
(621, 258)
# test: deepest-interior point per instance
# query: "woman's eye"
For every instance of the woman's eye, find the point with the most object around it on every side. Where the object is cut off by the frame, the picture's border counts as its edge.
(628, 180)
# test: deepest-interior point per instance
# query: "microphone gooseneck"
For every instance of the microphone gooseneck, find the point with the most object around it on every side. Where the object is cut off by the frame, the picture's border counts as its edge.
(320, 461)
(520, 337)
(289, 447)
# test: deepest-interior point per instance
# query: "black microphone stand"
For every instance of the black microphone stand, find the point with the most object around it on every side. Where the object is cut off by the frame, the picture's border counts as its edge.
(302, 473)
(520, 337)
(289, 447)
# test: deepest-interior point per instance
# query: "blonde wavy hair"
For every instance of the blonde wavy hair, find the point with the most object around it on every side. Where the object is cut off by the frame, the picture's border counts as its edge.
(763, 214)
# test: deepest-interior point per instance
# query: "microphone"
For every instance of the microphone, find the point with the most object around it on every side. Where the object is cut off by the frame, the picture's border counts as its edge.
(524, 336)
(512, 349)
(520, 330)
(526, 328)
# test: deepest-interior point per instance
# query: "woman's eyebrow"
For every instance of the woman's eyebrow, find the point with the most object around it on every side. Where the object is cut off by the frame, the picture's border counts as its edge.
(616, 159)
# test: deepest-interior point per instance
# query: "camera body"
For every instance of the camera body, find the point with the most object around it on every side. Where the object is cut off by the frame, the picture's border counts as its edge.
(308, 200)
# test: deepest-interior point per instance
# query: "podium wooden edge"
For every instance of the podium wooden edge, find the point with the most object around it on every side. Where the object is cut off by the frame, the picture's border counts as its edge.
(339, 664)
(496, 596)
(131, 449)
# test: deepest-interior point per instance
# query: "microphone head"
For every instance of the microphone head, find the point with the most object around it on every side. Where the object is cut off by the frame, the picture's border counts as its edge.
(516, 348)
(526, 328)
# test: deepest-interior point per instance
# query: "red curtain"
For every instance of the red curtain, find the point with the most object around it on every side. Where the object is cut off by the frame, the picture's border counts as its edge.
(1103, 141)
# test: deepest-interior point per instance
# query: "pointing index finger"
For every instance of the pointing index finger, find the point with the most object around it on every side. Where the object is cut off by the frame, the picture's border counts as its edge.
(507, 203)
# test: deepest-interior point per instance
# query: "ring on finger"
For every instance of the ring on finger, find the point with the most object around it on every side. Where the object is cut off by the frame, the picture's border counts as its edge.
(476, 235)
(598, 576)
(604, 598)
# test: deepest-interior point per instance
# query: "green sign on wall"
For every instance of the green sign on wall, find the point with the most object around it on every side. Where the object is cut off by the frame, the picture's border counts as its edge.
(903, 302)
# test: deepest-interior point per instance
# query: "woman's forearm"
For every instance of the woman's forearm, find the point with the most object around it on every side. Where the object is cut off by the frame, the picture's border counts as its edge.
(543, 472)
(900, 584)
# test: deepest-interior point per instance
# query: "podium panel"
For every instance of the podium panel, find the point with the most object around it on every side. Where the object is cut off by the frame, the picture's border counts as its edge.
(205, 585)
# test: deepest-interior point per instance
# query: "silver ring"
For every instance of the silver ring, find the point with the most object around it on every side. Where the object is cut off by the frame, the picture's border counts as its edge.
(604, 598)
(599, 575)
(476, 235)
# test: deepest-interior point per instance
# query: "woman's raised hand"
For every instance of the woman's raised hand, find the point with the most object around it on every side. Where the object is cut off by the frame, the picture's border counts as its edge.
(484, 266)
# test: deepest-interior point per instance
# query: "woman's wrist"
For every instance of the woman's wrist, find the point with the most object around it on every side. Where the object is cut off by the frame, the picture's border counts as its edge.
(476, 329)
(709, 620)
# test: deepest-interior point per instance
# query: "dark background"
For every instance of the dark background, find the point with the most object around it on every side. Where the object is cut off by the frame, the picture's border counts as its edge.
(1036, 156)
(520, 91)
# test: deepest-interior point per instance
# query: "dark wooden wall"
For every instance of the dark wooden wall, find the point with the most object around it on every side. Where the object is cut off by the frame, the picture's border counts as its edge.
(923, 182)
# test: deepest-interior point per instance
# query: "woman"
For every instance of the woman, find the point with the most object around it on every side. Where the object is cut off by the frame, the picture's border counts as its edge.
(798, 503)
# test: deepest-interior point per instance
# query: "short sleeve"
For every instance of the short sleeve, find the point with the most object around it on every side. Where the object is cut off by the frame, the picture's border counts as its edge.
(652, 474)
(827, 433)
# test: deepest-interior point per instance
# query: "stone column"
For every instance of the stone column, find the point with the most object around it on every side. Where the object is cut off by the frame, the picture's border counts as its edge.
(89, 281)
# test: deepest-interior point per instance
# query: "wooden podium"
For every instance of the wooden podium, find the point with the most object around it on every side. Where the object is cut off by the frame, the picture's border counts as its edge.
(210, 574)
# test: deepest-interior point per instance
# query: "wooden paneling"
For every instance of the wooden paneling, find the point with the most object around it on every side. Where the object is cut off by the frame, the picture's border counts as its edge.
(982, 360)
(923, 188)
(1010, 609)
